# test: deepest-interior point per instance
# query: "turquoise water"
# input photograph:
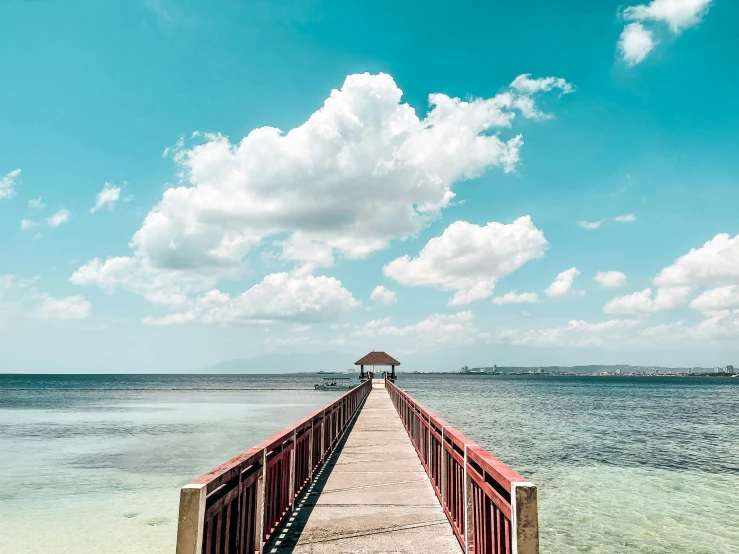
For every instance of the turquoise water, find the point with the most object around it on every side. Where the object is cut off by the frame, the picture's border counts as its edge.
(85, 468)
(623, 465)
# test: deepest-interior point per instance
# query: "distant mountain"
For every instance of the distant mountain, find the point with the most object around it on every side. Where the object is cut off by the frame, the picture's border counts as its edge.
(285, 363)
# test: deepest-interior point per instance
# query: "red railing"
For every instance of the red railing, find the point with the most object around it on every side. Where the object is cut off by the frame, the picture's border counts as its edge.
(491, 508)
(240, 505)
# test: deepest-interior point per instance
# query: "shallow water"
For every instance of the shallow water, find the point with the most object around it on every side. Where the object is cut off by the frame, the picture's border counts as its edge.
(623, 465)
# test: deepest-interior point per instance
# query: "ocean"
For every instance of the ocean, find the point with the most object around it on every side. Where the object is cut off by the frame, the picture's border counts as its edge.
(623, 465)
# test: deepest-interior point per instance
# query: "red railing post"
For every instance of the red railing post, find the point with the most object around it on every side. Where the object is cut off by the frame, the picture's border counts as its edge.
(293, 454)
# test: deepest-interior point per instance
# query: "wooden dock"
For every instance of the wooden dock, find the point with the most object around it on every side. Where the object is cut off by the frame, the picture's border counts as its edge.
(373, 495)
(373, 471)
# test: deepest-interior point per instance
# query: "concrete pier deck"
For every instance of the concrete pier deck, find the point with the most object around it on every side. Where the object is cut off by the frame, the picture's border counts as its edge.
(372, 495)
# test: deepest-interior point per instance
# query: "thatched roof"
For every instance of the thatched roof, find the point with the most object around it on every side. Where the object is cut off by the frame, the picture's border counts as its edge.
(377, 358)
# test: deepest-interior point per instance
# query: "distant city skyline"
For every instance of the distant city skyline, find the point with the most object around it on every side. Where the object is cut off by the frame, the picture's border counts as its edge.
(183, 184)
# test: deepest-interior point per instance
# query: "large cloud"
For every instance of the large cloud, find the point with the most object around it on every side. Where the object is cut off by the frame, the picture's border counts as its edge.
(278, 297)
(714, 263)
(361, 171)
(678, 14)
(469, 259)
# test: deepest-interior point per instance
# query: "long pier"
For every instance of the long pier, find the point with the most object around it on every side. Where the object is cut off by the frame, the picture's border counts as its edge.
(373, 471)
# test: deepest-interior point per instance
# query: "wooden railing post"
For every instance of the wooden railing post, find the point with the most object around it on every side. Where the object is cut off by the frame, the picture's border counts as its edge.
(191, 519)
(310, 452)
(525, 519)
(443, 468)
(259, 504)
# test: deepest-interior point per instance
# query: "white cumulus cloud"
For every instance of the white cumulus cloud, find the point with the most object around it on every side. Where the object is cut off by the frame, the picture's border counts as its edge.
(562, 284)
(635, 43)
(714, 263)
(278, 297)
(678, 14)
(59, 218)
(641, 302)
(626, 218)
(381, 295)
(610, 279)
(719, 298)
(590, 224)
(36, 203)
(7, 184)
(107, 197)
(28, 224)
(361, 171)
(527, 85)
(71, 307)
(514, 298)
(469, 259)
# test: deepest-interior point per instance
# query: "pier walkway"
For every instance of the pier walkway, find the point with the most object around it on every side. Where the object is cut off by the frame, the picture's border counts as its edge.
(374, 471)
(373, 494)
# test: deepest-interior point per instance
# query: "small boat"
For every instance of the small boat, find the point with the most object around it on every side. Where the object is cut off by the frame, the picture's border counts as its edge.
(336, 383)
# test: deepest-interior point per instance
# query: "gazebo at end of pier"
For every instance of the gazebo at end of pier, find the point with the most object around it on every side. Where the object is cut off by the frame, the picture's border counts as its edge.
(376, 358)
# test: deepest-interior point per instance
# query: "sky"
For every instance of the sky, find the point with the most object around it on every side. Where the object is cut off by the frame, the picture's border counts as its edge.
(530, 183)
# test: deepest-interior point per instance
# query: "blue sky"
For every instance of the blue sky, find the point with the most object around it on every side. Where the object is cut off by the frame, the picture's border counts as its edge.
(162, 242)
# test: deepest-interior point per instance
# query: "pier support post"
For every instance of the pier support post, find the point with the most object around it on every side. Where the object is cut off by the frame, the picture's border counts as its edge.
(191, 519)
(525, 518)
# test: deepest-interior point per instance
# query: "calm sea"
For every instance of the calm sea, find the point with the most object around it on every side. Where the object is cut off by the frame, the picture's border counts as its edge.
(623, 465)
